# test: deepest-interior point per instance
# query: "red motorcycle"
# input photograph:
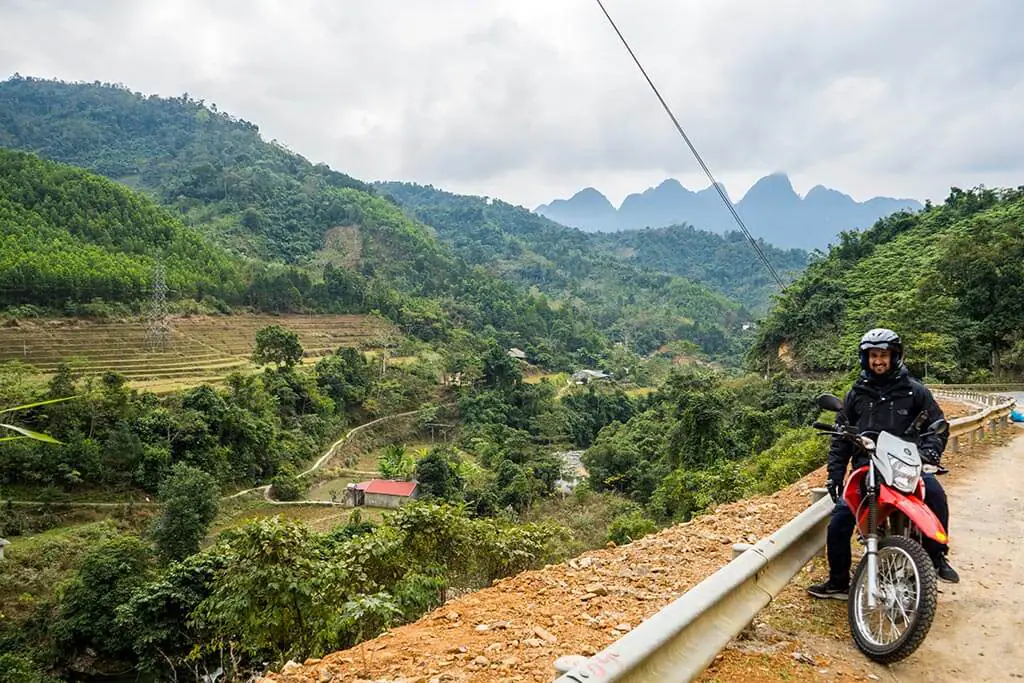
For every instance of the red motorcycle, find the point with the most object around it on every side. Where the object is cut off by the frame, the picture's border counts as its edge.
(893, 594)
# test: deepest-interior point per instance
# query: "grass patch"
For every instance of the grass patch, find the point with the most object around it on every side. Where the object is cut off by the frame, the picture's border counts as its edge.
(34, 564)
(320, 518)
(557, 378)
(336, 486)
(55, 495)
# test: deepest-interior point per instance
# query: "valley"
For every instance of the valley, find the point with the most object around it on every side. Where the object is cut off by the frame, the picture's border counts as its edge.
(175, 500)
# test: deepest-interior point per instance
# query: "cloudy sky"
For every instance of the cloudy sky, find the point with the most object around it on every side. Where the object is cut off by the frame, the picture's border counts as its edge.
(528, 100)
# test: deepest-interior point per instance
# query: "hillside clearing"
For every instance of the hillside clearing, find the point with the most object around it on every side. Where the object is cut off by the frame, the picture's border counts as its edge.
(201, 349)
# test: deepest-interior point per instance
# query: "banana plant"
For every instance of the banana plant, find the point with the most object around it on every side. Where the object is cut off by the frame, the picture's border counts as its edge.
(25, 433)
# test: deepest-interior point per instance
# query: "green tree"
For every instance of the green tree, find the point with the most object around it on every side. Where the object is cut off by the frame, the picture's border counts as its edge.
(267, 600)
(275, 344)
(367, 616)
(18, 668)
(984, 272)
(190, 500)
(345, 376)
(630, 526)
(108, 576)
(396, 462)
(286, 484)
(436, 476)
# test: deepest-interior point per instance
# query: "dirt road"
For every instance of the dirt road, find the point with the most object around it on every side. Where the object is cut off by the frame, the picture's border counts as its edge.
(978, 631)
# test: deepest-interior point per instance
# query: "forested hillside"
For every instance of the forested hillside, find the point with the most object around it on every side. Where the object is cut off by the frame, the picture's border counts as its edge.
(71, 235)
(726, 263)
(332, 246)
(256, 196)
(644, 306)
(539, 251)
(950, 279)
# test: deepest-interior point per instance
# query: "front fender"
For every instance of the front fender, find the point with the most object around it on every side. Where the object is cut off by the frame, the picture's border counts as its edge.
(914, 508)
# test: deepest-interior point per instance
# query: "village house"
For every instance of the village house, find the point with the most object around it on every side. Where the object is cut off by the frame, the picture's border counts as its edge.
(380, 493)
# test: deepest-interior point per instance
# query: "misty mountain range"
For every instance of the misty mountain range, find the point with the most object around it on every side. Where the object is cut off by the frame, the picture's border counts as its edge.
(771, 209)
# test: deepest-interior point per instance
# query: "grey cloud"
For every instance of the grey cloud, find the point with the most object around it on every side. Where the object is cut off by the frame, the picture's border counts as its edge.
(529, 100)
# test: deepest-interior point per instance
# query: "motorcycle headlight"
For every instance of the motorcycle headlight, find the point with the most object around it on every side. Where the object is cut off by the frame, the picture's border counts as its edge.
(904, 475)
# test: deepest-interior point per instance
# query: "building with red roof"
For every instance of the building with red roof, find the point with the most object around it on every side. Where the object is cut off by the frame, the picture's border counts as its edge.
(380, 493)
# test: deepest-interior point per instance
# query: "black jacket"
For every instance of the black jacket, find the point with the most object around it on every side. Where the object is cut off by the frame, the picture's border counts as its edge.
(891, 404)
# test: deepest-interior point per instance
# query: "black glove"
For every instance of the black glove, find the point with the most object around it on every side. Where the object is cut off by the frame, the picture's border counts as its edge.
(834, 489)
(930, 456)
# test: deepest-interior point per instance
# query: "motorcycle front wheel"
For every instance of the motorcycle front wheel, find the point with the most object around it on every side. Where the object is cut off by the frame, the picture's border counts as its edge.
(905, 602)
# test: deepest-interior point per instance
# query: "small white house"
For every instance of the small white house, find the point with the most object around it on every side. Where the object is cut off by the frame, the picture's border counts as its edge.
(3, 542)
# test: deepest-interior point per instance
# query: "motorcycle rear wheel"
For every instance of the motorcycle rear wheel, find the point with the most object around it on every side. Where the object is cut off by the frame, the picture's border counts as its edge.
(908, 593)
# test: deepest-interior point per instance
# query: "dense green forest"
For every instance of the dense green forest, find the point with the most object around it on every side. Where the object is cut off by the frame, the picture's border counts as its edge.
(701, 440)
(339, 247)
(71, 235)
(538, 251)
(726, 263)
(257, 197)
(950, 279)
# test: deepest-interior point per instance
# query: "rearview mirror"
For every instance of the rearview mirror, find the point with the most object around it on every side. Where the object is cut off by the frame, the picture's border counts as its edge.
(830, 402)
(939, 428)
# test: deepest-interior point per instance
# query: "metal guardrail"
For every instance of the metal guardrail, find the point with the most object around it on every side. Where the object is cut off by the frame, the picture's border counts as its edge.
(995, 412)
(679, 641)
(995, 386)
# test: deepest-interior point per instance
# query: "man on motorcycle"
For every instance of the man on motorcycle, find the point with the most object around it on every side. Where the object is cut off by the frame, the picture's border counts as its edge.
(884, 398)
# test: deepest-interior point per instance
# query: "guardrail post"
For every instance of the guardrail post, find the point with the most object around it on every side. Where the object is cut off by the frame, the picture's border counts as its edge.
(954, 444)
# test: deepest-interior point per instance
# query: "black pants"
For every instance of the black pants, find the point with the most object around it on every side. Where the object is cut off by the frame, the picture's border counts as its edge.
(842, 524)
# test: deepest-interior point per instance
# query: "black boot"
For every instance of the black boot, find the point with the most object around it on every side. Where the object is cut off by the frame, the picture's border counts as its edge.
(944, 571)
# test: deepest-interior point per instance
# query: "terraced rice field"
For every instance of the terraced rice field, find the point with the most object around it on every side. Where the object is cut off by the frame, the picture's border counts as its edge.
(200, 348)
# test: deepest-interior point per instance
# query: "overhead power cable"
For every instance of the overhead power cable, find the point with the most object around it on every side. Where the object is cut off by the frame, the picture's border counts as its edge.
(714, 183)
